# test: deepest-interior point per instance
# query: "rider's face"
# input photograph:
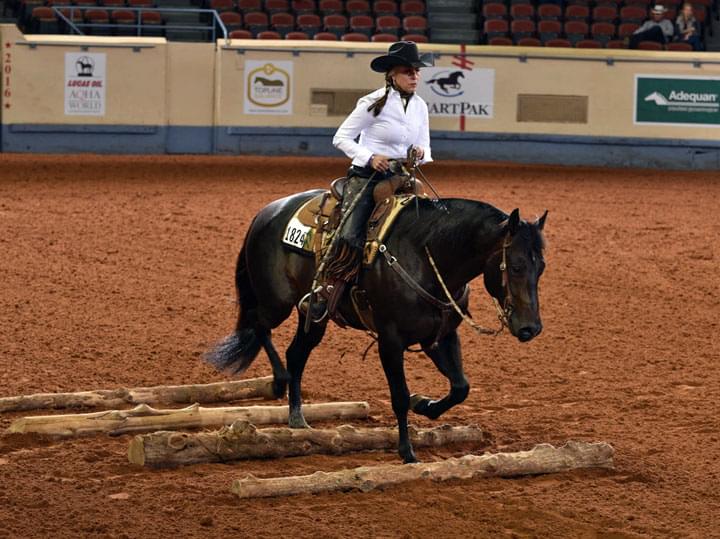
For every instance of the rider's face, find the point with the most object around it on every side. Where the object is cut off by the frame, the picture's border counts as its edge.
(406, 78)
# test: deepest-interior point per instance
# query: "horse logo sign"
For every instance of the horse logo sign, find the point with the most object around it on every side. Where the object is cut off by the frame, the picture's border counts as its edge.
(449, 91)
(691, 101)
(85, 84)
(268, 87)
(447, 84)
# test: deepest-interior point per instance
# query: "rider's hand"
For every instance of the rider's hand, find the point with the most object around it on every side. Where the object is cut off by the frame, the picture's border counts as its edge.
(419, 153)
(380, 163)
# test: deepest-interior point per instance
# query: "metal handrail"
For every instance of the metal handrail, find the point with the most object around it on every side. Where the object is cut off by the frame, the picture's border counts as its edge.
(217, 21)
(695, 59)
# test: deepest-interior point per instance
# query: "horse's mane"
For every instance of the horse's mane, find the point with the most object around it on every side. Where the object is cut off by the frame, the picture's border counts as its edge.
(442, 226)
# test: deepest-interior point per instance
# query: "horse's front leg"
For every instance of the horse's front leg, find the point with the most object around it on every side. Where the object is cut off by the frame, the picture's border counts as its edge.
(391, 356)
(448, 359)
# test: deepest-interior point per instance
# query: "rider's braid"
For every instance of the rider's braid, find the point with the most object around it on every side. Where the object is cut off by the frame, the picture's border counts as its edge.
(376, 108)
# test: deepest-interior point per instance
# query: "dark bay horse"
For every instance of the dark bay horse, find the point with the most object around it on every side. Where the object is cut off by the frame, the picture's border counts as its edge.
(466, 238)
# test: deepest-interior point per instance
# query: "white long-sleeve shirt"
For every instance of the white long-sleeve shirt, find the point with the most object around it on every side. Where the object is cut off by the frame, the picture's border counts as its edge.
(390, 133)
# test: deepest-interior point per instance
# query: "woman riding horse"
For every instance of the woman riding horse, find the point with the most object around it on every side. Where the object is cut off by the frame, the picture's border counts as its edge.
(417, 288)
(388, 121)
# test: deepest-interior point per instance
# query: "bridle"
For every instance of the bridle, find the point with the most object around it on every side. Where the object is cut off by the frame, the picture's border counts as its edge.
(507, 308)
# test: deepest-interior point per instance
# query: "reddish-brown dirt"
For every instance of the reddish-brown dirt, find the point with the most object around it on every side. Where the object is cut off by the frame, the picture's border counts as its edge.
(118, 271)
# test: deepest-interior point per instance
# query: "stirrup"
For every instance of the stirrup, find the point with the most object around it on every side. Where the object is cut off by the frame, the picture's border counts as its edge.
(304, 306)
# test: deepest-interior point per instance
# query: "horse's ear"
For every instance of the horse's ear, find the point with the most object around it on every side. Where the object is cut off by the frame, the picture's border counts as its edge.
(514, 222)
(540, 223)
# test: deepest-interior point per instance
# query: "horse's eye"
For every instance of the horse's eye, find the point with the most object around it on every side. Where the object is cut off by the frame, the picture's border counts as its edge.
(517, 269)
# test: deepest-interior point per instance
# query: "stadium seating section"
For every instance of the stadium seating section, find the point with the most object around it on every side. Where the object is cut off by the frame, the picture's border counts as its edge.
(575, 23)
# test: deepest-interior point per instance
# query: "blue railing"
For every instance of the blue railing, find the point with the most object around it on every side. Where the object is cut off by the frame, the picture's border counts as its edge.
(77, 27)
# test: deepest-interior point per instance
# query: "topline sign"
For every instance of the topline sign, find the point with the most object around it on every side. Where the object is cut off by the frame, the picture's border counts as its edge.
(677, 100)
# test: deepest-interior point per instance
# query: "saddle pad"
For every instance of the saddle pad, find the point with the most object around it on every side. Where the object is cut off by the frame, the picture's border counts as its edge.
(301, 232)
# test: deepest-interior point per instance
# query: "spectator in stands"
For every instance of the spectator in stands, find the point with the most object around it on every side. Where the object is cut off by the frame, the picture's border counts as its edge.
(657, 29)
(688, 29)
(377, 135)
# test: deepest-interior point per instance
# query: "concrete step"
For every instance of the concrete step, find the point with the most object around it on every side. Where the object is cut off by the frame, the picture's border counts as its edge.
(450, 21)
(452, 5)
(467, 37)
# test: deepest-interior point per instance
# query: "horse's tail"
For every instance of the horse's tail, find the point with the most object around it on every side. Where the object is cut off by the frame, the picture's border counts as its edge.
(236, 352)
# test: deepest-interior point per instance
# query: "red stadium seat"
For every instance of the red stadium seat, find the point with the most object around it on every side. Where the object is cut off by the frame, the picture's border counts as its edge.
(222, 5)
(113, 3)
(522, 29)
(140, 3)
(277, 6)
(97, 17)
(564, 43)
(632, 14)
(417, 38)
(331, 7)
(522, 12)
(357, 7)
(301, 7)
(282, 23)
(151, 22)
(325, 36)
(336, 24)
(384, 7)
(269, 34)
(500, 42)
(605, 14)
(415, 24)
(602, 31)
(588, 44)
(388, 24)
(362, 24)
(256, 22)
(241, 34)
(412, 7)
(679, 46)
(495, 28)
(385, 38)
(611, 3)
(529, 42)
(650, 46)
(626, 29)
(248, 6)
(549, 30)
(309, 23)
(616, 44)
(354, 36)
(232, 20)
(575, 31)
(494, 11)
(43, 21)
(296, 35)
(577, 13)
(549, 12)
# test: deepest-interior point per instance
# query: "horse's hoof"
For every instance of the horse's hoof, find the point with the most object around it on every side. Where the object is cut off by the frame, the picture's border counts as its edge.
(409, 457)
(419, 404)
(297, 421)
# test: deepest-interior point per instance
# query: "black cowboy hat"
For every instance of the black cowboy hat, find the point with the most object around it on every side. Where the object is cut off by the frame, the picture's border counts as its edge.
(401, 53)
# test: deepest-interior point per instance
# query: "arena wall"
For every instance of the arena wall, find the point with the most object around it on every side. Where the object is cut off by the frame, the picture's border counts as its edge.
(544, 105)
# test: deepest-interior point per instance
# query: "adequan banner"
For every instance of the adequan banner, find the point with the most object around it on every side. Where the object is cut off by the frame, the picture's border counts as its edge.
(268, 87)
(85, 83)
(688, 101)
(451, 91)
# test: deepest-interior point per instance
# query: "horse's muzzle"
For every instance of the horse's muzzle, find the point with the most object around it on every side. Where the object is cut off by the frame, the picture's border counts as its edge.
(527, 333)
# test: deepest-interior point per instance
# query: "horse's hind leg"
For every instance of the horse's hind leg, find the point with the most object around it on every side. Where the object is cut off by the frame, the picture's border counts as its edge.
(280, 374)
(297, 355)
(448, 359)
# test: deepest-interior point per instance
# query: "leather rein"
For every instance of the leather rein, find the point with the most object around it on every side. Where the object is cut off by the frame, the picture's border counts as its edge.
(503, 313)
